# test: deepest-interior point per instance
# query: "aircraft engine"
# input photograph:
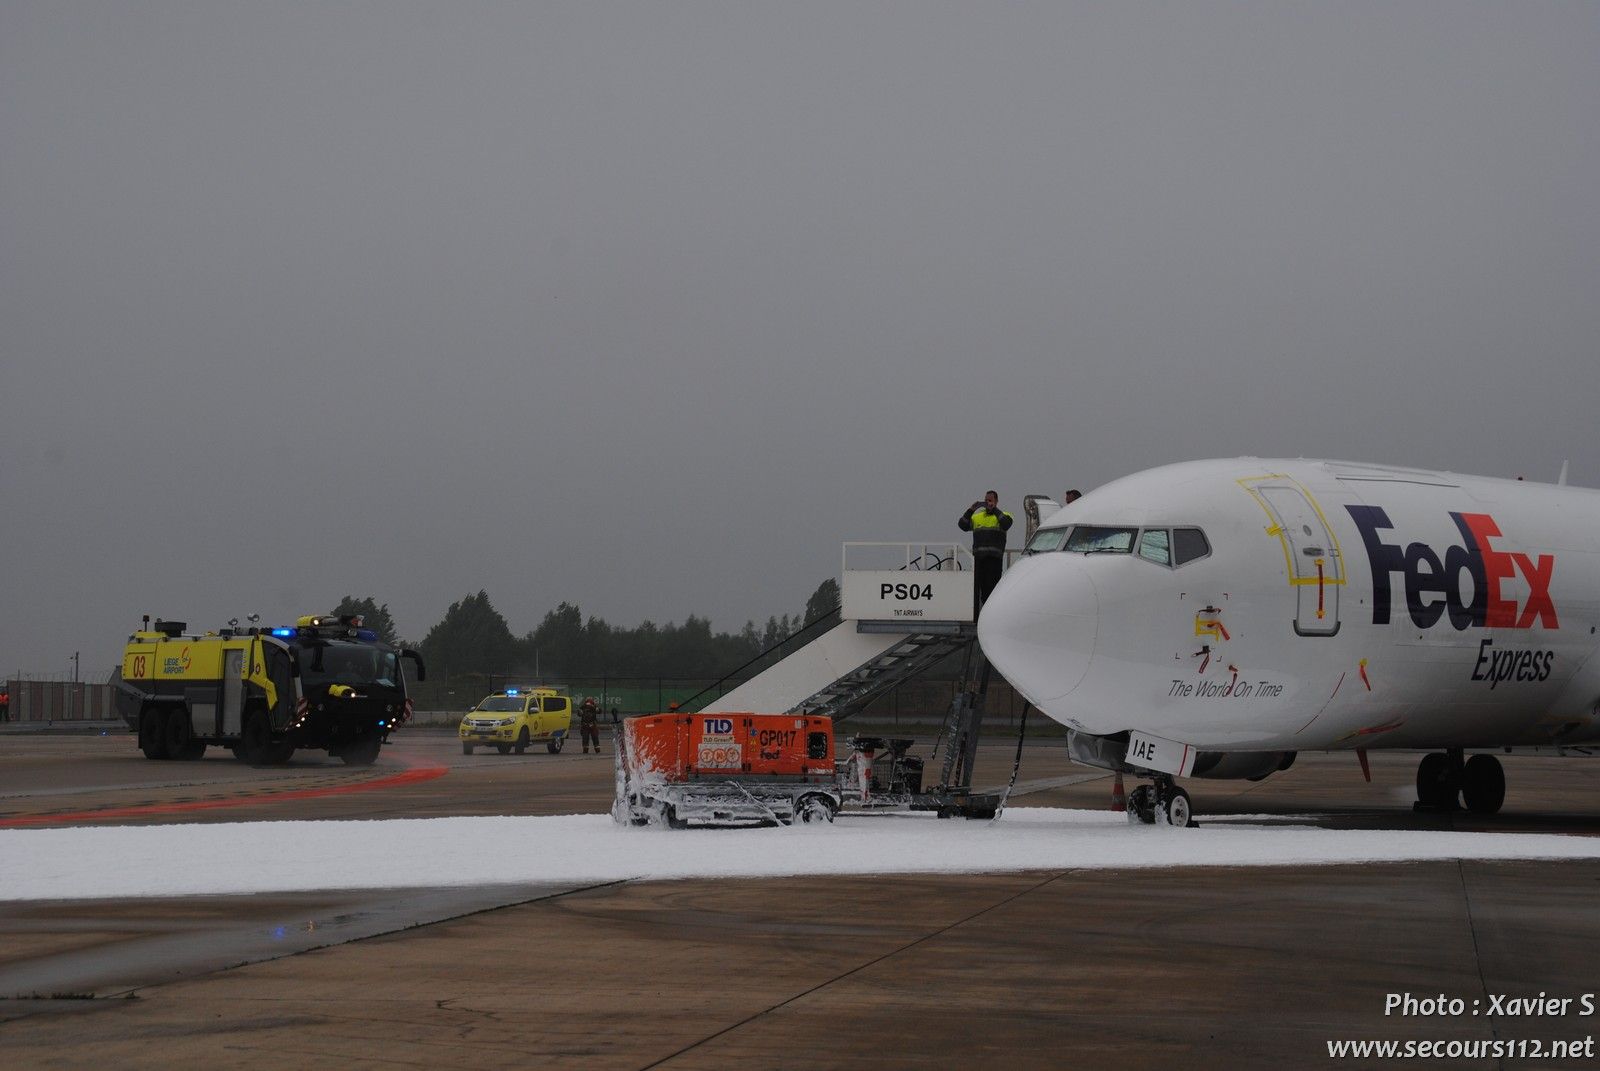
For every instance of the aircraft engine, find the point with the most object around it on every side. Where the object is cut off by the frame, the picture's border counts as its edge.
(1241, 765)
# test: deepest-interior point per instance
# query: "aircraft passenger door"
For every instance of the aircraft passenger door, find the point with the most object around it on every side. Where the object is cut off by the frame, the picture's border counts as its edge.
(1315, 565)
(232, 691)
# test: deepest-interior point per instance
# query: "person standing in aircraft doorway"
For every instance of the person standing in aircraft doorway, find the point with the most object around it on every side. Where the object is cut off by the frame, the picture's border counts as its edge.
(988, 524)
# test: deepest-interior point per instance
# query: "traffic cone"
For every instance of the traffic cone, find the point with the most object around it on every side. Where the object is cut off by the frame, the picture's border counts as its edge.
(1119, 798)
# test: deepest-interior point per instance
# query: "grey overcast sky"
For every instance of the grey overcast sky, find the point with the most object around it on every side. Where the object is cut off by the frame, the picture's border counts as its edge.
(648, 306)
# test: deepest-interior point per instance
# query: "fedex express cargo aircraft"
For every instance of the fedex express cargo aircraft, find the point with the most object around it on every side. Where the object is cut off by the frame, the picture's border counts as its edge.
(1214, 618)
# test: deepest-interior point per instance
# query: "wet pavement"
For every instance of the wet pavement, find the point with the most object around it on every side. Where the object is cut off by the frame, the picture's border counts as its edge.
(56, 950)
(1207, 967)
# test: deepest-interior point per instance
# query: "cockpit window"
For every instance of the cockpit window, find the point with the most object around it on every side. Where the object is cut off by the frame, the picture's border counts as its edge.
(1046, 539)
(1155, 546)
(1188, 544)
(1093, 539)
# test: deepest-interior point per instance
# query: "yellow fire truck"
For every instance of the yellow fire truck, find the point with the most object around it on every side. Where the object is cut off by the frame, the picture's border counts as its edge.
(324, 683)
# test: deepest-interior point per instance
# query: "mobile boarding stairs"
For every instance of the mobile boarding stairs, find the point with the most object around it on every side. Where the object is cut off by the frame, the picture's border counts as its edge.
(904, 608)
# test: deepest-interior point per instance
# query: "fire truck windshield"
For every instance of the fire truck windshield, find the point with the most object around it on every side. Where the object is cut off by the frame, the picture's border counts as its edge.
(348, 663)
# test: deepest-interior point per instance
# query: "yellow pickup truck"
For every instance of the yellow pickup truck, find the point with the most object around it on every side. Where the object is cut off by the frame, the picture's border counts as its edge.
(511, 720)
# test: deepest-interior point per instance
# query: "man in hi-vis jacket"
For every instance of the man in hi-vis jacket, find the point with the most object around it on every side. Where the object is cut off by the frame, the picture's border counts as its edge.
(988, 524)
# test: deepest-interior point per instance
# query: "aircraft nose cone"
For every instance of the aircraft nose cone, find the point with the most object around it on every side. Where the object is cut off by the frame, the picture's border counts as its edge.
(1038, 627)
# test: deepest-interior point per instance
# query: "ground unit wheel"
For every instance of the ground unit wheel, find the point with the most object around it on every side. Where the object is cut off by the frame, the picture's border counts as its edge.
(554, 744)
(153, 732)
(363, 751)
(1436, 781)
(504, 749)
(1483, 784)
(466, 748)
(813, 809)
(665, 814)
(522, 741)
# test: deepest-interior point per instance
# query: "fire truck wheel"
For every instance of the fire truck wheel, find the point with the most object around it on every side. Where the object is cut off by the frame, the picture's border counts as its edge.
(153, 732)
(363, 751)
(813, 809)
(554, 744)
(181, 743)
(256, 739)
(467, 749)
(522, 741)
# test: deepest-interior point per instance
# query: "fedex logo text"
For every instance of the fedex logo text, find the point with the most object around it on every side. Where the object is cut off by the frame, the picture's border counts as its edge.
(1434, 586)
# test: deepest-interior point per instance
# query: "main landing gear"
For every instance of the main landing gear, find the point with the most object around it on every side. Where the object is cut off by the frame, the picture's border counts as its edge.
(1445, 782)
(1162, 802)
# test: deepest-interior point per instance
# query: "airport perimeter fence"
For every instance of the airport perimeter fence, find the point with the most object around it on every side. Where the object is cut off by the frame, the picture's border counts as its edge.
(49, 701)
(916, 703)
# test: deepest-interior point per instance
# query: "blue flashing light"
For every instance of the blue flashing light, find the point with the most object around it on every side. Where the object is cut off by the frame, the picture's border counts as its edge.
(285, 632)
(512, 691)
(366, 634)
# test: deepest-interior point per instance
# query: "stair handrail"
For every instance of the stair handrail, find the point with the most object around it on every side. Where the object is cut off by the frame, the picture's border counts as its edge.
(831, 615)
(946, 555)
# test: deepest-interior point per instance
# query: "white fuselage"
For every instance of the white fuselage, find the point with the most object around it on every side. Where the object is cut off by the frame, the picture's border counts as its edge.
(1339, 606)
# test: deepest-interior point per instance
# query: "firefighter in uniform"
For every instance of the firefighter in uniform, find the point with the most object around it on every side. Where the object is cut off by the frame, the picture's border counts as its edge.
(589, 724)
(988, 524)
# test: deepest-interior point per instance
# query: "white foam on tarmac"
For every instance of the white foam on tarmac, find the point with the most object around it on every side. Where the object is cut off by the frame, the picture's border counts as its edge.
(248, 857)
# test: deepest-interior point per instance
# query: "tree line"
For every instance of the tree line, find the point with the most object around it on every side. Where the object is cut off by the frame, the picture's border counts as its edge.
(473, 638)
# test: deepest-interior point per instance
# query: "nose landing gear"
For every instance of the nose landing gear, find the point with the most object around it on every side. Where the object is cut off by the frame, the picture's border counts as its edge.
(1162, 802)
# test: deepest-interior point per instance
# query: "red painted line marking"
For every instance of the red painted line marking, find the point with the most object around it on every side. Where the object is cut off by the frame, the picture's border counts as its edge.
(413, 776)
